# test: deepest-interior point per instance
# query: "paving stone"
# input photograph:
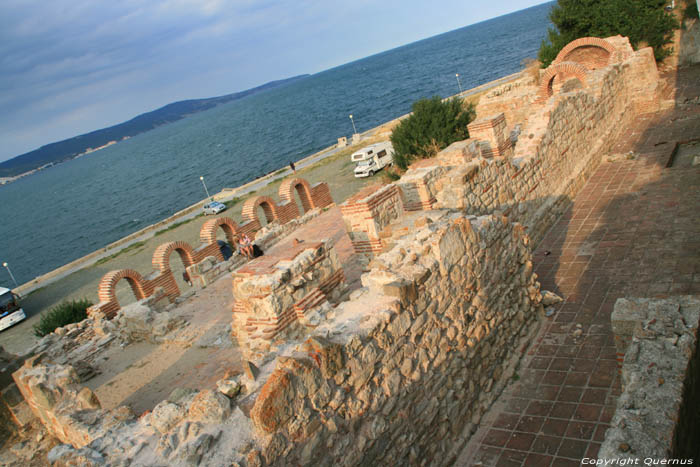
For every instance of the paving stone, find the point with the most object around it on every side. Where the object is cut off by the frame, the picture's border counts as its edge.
(631, 231)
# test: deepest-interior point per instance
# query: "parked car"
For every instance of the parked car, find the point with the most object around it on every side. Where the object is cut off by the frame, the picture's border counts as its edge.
(214, 207)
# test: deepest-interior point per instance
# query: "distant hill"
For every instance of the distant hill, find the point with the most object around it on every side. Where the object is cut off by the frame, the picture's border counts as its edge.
(69, 148)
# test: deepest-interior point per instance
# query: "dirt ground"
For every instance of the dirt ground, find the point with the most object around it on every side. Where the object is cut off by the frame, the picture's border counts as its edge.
(196, 356)
(142, 374)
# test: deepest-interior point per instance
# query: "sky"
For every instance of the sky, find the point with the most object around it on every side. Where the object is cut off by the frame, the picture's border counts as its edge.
(69, 67)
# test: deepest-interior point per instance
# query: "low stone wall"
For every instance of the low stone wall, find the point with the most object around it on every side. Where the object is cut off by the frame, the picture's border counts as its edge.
(69, 411)
(656, 414)
(272, 233)
(513, 99)
(273, 293)
(14, 412)
(368, 213)
(399, 374)
(410, 364)
(198, 261)
(557, 151)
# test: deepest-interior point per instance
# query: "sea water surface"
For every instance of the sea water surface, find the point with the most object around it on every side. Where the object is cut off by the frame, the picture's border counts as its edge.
(60, 214)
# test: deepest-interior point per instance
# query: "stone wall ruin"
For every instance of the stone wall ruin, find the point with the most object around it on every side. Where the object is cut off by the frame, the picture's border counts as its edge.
(200, 262)
(557, 151)
(656, 414)
(402, 372)
(274, 294)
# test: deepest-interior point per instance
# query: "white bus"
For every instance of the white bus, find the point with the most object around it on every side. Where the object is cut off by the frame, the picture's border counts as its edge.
(10, 311)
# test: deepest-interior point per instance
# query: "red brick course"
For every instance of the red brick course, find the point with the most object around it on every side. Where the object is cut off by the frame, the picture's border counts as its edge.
(317, 196)
(572, 52)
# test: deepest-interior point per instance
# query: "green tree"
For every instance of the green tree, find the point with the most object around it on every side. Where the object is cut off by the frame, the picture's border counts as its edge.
(642, 21)
(433, 125)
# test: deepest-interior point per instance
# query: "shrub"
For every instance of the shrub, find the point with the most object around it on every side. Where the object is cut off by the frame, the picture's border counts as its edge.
(433, 125)
(60, 315)
(691, 11)
(390, 175)
(642, 21)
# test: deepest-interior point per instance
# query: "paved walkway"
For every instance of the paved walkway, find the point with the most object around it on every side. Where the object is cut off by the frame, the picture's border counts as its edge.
(634, 230)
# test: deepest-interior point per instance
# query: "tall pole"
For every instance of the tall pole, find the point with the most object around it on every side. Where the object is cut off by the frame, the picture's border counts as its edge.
(353, 125)
(205, 188)
(7, 266)
(458, 83)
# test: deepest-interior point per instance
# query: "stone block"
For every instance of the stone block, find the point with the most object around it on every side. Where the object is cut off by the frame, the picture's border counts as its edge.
(654, 417)
(209, 407)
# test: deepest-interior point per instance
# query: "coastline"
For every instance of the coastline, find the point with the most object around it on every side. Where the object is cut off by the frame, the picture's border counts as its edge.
(224, 195)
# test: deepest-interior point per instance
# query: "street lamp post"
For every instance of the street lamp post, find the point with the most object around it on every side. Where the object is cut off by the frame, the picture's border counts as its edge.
(458, 83)
(7, 266)
(353, 125)
(205, 188)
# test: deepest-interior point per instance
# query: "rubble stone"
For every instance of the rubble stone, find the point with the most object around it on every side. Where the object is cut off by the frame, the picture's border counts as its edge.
(656, 414)
(210, 407)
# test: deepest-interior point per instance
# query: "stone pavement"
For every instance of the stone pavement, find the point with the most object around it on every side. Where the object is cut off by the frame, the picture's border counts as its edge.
(634, 230)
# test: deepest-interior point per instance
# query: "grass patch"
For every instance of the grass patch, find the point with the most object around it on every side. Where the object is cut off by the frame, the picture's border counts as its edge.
(34, 291)
(61, 315)
(133, 247)
(232, 202)
(177, 224)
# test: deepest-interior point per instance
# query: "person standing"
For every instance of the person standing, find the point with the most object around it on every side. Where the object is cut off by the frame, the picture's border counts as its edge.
(291, 166)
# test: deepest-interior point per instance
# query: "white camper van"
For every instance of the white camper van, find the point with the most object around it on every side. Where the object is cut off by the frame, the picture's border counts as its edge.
(372, 159)
(10, 311)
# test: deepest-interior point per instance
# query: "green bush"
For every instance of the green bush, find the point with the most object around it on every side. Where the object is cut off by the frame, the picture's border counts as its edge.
(433, 125)
(60, 315)
(691, 11)
(644, 22)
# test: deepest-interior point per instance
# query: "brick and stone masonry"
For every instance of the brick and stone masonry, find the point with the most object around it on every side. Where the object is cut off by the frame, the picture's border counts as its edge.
(274, 293)
(161, 284)
(556, 152)
(656, 414)
(368, 213)
(69, 411)
(492, 135)
(415, 358)
(403, 371)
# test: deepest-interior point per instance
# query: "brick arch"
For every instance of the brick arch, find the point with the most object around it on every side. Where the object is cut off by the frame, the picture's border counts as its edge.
(569, 52)
(106, 291)
(207, 233)
(250, 209)
(563, 68)
(286, 192)
(161, 257)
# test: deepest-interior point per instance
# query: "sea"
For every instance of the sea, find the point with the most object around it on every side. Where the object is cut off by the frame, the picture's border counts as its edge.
(67, 211)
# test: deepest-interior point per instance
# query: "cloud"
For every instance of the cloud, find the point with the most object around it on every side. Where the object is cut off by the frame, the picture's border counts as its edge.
(73, 66)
